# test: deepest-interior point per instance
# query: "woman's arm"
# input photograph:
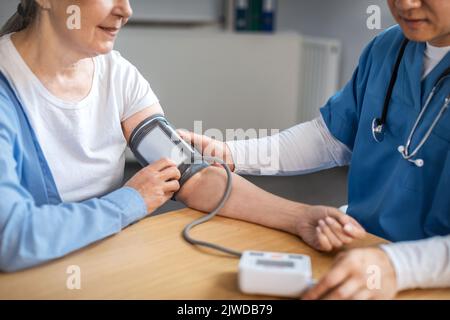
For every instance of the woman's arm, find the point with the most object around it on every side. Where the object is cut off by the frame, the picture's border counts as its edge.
(304, 148)
(250, 203)
(421, 264)
(129, 124)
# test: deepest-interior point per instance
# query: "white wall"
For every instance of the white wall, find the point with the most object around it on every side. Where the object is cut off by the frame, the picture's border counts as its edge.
(7, 8)
(223, 79)
(176, 10)
(341, 19)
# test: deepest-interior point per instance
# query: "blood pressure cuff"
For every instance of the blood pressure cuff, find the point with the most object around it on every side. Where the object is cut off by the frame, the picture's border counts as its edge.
(155, 138)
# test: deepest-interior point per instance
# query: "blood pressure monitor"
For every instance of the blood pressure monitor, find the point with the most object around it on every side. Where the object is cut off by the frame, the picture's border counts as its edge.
(155, 138)
(274, 274)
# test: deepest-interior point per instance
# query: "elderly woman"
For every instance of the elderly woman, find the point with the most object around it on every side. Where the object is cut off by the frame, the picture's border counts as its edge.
(68, 105)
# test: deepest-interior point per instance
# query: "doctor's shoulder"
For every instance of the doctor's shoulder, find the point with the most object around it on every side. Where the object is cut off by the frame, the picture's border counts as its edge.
(380, 53)
(384, 47)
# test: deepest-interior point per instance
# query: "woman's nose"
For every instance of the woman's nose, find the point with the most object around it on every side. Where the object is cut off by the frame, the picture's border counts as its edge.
(123, 8)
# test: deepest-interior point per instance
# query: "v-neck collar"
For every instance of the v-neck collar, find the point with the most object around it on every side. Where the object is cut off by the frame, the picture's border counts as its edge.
(433, 77)
(414, 60)
(413, 63)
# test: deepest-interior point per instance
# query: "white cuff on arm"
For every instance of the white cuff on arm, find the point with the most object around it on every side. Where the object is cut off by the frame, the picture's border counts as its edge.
(304, 148)
(421, 264)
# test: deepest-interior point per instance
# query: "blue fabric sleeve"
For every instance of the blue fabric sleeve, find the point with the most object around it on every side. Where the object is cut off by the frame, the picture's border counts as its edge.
(341, 113)
(32, 234)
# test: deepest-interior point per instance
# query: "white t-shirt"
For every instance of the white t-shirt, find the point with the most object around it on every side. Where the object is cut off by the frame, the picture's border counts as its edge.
(433, 55)
(83, 142)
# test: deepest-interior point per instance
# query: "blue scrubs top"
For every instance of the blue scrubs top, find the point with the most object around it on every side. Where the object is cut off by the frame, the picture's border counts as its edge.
(35, 225)
(388, 195)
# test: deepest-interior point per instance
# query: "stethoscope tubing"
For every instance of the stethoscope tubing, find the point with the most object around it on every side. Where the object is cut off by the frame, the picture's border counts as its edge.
(379, 123)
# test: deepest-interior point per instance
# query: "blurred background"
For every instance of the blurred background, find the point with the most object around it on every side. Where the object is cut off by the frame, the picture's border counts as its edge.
(260, 64)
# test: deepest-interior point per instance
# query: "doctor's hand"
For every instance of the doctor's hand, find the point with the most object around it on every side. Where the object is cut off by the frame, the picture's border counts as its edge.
(327, 228)
(359, 274)
(156, 183)
(209, 147)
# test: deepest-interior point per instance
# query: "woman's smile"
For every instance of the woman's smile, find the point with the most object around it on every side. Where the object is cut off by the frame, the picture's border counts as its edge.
(111, 32)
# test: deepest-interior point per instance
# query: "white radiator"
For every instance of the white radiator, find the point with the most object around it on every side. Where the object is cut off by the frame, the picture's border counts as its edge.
(319, 75)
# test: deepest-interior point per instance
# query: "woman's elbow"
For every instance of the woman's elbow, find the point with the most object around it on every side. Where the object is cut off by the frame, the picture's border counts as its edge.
(204, 190)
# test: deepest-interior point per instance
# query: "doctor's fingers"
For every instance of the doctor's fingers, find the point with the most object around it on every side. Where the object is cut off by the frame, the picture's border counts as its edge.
(331, 280)
(354, 229)
(338, 230)
(351, 226)
(326, 230)
(196, 140)
(324, 243)
(186, 136)
(346, 290)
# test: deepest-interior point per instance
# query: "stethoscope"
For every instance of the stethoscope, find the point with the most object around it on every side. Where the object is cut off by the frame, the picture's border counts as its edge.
(378, 124)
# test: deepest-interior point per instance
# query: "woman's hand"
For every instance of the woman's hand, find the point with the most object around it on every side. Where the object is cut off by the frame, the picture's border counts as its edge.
(156, 183)
(359, 274)
(209, 147)
(327, 229)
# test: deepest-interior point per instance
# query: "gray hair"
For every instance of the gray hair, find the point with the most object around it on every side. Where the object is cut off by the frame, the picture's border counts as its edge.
(26, 13)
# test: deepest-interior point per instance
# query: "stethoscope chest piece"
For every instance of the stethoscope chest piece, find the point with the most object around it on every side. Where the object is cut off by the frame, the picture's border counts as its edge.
(377, 130)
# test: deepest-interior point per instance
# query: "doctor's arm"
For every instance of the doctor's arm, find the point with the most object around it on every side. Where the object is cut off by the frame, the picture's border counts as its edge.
(304, 148)
(421, 264)
(398, 266)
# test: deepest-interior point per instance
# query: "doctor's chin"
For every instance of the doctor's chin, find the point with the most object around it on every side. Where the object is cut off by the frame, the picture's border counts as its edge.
(225, 158)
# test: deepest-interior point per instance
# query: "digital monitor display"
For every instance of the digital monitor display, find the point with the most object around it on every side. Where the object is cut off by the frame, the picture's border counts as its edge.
(274, 263)
(162, 147)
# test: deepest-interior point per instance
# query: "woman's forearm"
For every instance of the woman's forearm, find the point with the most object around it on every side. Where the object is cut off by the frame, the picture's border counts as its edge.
(247, 201)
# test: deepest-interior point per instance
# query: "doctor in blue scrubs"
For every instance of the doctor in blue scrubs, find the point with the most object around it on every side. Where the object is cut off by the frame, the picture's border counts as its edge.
(391, 124)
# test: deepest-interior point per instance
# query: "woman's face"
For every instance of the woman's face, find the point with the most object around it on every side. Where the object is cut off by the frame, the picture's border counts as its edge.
(423, 20)
(100, 22)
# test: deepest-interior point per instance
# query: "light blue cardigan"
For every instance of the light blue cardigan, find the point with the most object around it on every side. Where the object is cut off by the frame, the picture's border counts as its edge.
(35, 225)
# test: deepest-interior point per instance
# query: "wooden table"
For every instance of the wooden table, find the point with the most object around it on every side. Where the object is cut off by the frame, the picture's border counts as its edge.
(150, 260)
